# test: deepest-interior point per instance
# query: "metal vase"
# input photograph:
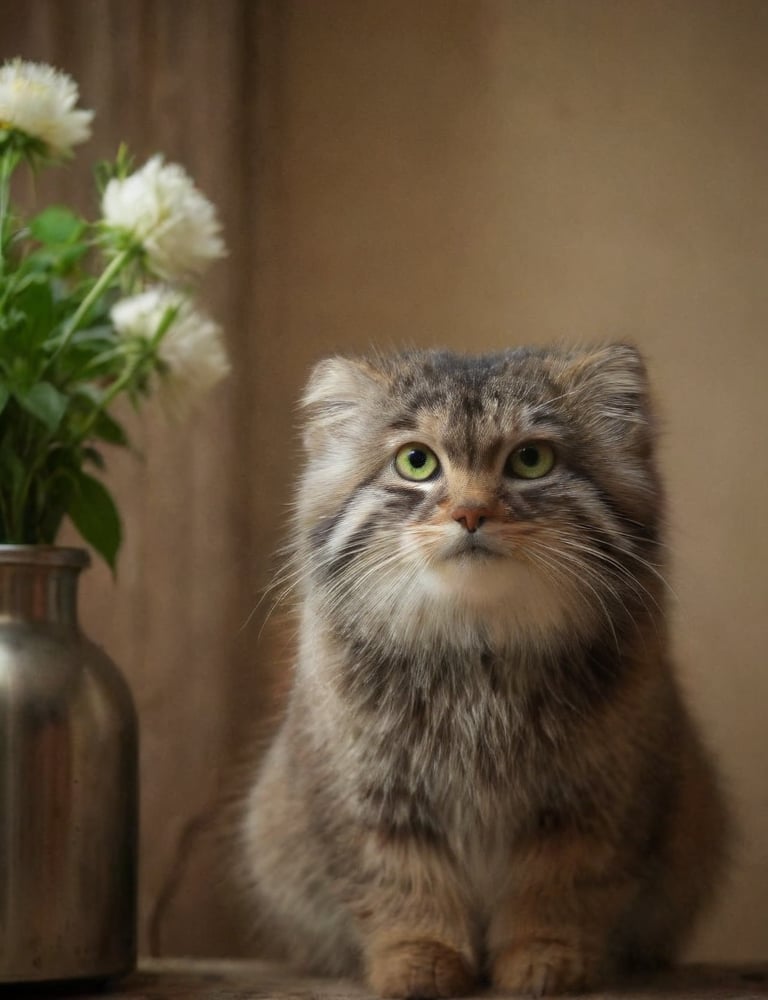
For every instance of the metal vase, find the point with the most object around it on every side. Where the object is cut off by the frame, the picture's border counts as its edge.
(68, 782)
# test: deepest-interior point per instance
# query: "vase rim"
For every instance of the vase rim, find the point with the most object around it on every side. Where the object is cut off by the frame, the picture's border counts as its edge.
(44, 555)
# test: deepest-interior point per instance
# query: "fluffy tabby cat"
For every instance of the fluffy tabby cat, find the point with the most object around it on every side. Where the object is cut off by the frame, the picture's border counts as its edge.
(486, 771)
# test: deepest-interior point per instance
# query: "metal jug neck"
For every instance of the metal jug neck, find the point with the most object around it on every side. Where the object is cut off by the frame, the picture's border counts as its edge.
(38, 583)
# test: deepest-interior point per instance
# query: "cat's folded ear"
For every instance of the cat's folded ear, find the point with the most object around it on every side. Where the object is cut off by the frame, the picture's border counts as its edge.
(610, 382)
(339, 392)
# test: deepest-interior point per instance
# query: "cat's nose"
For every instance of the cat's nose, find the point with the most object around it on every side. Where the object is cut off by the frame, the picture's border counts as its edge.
(471, 517)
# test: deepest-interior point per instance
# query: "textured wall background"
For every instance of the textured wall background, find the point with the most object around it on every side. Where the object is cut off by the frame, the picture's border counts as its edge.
(472, 173)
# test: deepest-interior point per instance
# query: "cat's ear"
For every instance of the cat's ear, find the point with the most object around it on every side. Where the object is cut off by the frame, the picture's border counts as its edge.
(611, 373)
(339, 392)
(609, 384)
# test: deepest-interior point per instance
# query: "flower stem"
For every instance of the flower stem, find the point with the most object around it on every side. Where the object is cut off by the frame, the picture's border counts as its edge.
(114, 390)
(108, 274)
(8, 163)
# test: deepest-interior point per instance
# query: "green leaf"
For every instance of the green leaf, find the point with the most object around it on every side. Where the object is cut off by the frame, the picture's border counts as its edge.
(32, 298)
(45, 402)
(94, 457)
(59, 258)
(86, 390)
(94, 514)
(56, 225)
(107, 429)
(4, 395)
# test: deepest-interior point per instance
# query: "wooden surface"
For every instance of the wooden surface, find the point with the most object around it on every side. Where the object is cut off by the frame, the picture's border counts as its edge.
(222, 980)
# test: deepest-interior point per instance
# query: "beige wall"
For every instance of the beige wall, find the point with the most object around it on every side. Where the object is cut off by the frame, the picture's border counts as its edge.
(470, 174)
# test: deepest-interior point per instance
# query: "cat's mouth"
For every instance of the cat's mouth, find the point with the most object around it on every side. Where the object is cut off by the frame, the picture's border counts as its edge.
(472, 547)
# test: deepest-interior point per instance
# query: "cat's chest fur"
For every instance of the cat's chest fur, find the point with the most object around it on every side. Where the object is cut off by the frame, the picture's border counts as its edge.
(437, 743)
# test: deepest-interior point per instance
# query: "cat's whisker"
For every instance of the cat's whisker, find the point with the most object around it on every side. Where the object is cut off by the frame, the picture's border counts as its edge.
(611, 564)
(315, 563)
(575, 570)
(368, 563)
(601, 581)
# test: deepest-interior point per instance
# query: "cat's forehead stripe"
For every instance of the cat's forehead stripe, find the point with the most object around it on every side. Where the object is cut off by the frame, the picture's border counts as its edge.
(494, 389)
(474, 433)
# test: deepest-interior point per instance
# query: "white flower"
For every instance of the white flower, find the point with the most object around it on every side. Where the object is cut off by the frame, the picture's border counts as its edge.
(40, 101)
(191, 354)
(163, 210)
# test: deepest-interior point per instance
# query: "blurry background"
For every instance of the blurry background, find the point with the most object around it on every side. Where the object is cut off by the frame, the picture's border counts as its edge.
(467, 173)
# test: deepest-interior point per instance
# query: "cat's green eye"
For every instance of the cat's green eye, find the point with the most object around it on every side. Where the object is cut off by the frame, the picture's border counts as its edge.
(531, 461)
(416, 462)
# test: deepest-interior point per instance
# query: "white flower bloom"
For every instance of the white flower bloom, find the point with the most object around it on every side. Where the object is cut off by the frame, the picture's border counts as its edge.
(191, 353)
(164, 211)
(40, 101)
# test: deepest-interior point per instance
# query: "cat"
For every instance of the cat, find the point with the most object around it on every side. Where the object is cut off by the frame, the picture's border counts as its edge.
(486, 772)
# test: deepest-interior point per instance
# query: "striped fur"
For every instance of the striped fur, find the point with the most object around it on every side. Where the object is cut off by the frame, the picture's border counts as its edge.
(485, 770)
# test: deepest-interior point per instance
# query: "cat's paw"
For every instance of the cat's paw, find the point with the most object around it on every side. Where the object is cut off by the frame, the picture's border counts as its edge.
(420, 969)
(544, 968)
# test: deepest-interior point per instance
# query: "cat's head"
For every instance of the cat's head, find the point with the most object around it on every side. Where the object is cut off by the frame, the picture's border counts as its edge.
(512, 493)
